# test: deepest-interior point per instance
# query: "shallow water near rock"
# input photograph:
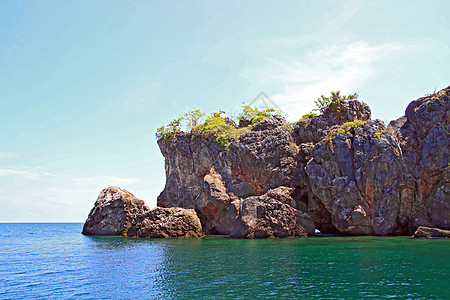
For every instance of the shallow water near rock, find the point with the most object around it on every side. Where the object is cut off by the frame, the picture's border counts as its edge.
(42, 261)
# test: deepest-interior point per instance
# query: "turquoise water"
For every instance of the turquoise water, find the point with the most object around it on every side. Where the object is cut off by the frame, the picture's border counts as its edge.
(54, 261)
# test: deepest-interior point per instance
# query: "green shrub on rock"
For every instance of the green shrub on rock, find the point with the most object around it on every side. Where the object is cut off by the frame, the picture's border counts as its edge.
(165, 132)
(334, 103)
(193, 118)
(305, 118)
(250, 115)
(351, 126)
(217, 127)
(348, 127)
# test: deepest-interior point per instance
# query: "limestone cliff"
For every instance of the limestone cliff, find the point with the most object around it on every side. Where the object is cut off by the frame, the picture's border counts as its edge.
(339, 172)
(343, 172)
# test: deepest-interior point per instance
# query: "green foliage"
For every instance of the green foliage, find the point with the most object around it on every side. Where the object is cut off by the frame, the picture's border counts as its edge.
(217, 127)
(351, 126)
(334, 103)
(165, 132)
(306, 117)
(437, 95)
(250, 115)
(377, 135)
(348, 127)
(193, 118)
(217, 114)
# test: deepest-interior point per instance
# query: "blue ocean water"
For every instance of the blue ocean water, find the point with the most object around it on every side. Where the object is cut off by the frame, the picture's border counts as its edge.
(54, 261)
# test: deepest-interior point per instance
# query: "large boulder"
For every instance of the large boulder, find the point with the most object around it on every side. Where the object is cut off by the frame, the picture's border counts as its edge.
(162, 222)
(270, 215)
(113, 211)
(119, 212)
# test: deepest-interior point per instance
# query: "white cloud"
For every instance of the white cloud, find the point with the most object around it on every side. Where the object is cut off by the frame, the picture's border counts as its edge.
(337, 67)
(26, 174)
(104, 181)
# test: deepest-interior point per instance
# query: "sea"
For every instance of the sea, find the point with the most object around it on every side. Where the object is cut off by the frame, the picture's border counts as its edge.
(55, 261)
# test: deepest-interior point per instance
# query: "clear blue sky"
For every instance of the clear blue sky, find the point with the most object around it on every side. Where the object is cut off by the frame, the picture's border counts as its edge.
(85, 84)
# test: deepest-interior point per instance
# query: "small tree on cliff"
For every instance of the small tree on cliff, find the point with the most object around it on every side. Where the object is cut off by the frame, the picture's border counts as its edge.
(251, 115)
(170, 129)
(193, 118)
(334, 103)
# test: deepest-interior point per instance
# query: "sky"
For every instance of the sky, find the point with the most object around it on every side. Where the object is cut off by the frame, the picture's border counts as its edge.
(84, 84)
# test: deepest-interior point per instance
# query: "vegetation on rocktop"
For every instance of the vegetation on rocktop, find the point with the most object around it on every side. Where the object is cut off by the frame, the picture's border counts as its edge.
(222, 128)
(351, 126)
(305, 118)
(250, 115)
(219, 128)
(334, 103)
(348, 127)
(437, 95)
(325, 105)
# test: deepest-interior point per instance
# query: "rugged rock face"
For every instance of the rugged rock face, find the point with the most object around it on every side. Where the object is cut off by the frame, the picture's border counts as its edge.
(316, 128)
(355, 175)
(423, 135)
(162, 222)
(377, 181)
(218, 183)
(271, 215)
(344, 172)
(427, 232)
(258, 161)
(118, 212)
(113, 211)
(266, 216)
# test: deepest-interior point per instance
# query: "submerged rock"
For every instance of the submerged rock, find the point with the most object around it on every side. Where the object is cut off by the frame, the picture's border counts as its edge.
(427, 232)
(119, 212)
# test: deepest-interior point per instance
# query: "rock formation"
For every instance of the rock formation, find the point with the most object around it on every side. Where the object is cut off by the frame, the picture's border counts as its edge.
(339, 172)
(423, 136)
(430, 233)
(355, 176)
(118, 212)
(349, 174)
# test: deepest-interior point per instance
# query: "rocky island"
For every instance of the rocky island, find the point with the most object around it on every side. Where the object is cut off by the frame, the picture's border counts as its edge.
(258, 176)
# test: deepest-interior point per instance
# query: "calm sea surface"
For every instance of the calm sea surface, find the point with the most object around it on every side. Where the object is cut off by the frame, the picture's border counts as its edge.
(43, 261)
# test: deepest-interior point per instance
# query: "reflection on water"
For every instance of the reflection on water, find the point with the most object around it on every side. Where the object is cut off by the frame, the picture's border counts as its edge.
(58, 262)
